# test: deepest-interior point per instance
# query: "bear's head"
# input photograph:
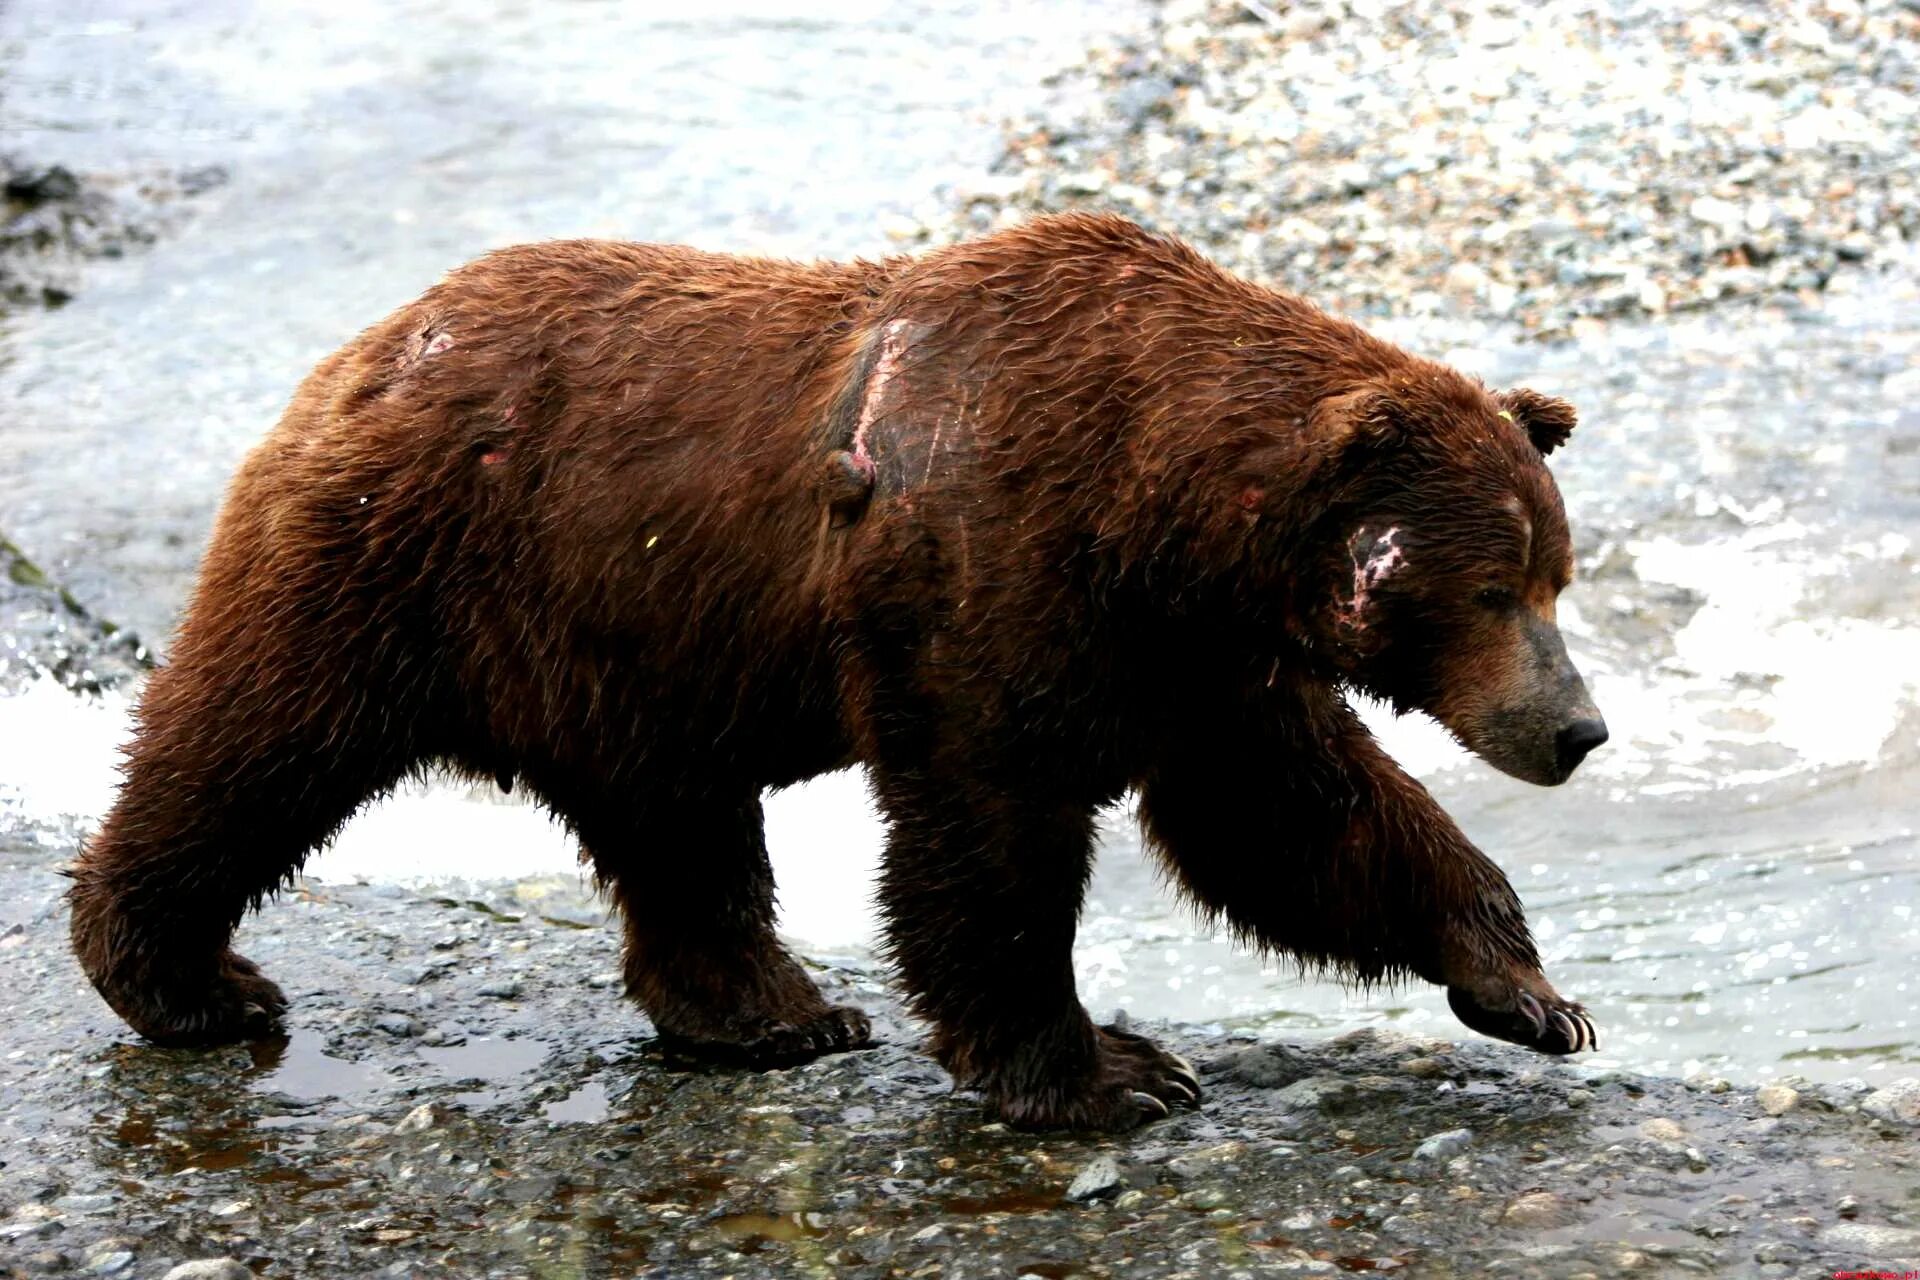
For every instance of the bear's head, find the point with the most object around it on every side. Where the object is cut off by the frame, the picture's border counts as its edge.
(1439, 551)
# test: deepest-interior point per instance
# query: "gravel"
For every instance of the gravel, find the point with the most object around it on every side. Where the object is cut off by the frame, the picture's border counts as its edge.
(349, 1152)
(1553, 165)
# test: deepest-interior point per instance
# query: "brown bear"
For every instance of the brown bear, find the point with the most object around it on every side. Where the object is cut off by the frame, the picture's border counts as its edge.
(1018, 525)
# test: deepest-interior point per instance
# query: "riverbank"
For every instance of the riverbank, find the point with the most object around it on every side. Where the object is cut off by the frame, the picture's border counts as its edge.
(466, 1094)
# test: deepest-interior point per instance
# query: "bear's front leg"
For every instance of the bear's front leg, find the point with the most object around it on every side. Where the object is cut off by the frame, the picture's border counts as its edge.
(981, 893)
(1284, 816)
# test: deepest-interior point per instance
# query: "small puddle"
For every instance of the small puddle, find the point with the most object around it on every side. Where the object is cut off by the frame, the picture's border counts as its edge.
(300, 1067)
(1021, 1200)
(586, 1105)
(749, 1232)
(497, 1064)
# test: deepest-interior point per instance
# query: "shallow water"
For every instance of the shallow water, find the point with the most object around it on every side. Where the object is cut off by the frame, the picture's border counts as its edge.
(1729, 885)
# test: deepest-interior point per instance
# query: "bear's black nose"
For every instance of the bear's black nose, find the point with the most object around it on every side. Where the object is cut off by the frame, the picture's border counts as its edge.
(1576, 740)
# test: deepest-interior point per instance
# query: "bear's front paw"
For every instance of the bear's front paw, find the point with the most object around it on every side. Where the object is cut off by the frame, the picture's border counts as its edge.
(1134, 1081)
(237, 1003)
(1525, 1010)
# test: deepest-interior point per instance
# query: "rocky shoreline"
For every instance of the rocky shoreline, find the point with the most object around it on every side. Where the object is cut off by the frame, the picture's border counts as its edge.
(465, 1094)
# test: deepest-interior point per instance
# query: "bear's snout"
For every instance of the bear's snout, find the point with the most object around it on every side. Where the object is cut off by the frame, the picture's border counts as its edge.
(1574, 741)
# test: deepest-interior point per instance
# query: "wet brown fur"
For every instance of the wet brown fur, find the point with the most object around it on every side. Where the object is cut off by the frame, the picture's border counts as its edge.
(649, 531)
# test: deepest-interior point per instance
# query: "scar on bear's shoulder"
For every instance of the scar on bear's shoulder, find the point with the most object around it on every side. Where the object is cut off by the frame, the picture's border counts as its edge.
(845, 483)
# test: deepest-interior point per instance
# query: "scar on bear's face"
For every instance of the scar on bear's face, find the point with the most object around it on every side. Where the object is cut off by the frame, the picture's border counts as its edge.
(1376, 558)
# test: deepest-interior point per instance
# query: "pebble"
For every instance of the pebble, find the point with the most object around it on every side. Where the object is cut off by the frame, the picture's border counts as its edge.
(1871, 1239)
(1537, 1209)
(210, 1269)
(1317, 1093)
(1777, 1099)
(1661, 1129)
(418, 1120)
(1100, 1176)
(397, 1024)
(1898, 1102)
(1444, 1145)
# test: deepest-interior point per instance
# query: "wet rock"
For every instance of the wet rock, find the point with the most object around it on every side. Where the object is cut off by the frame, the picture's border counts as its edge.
(1538, 1209)
(1100, 1177)
(1661, 1129)
(210, 1269)
(1443, 1146)
(1318, 1093)
(1266, 1066)
(1898, 1102)
(1872, 1240)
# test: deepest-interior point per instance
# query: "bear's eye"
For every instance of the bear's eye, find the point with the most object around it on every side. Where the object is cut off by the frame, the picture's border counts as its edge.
(1495, 598)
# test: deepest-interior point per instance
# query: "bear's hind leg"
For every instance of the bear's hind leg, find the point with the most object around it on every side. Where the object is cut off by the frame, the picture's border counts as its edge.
(695, 890)
(237, 771)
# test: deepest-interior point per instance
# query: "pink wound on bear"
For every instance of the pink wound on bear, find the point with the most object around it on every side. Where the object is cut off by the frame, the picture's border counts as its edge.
(893, 344)
(1375, 559)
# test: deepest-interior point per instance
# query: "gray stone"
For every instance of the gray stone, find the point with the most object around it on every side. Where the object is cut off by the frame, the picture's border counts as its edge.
(1898, 1101)
(1100, 1177)
(210, 1269)
(1442, 1146)
(1872, 1240)
(1317, 1093)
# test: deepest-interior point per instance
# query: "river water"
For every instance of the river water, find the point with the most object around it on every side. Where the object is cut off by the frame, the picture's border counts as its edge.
(1730, 885)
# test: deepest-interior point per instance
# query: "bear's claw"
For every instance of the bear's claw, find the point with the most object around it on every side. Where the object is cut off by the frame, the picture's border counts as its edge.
(1549, 1025)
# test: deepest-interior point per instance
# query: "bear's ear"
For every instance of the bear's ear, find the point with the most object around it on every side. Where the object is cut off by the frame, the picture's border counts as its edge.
(1547, 420)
